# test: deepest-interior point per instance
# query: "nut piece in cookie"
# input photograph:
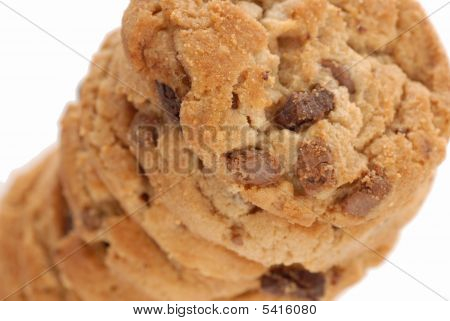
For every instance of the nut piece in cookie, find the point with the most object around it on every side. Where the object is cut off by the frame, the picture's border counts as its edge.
(304, 108)
(370, 191)
(169, 100)
(253, 167)
(341, 74)
(294, 281)
(315, 169)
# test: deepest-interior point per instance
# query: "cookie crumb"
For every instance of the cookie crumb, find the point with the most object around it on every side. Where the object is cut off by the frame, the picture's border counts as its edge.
(315, 169)
(371, 190)
(170, 101)
(304, 108)
(341, 74)
(253, 167)
(293, 280)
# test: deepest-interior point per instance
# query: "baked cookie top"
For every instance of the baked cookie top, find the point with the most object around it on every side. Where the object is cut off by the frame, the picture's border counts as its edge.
(313, 109)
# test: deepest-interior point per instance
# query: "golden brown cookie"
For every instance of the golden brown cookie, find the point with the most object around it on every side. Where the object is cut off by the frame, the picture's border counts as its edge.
(110, 122)
(32, 220)
(234, 150)
(314, 110)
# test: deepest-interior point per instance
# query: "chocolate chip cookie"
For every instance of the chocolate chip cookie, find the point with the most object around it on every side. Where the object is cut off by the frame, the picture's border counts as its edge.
(234, 150)
(315, 94)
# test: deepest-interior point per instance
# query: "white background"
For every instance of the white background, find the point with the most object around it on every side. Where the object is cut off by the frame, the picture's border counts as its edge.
(38, 76)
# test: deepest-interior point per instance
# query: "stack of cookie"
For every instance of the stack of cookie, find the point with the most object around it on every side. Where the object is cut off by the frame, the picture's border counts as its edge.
(244, 150)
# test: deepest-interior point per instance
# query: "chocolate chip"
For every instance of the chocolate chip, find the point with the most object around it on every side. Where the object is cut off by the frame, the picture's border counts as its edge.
(143, 130)
(237, 233)
(265, 75)
(341, 74)
(370, 191)
(294, 281)
(304, 108)
(235, 101)
(254, 210)
(253, 167)
(169, 99)
(145, 197)
(315, 169)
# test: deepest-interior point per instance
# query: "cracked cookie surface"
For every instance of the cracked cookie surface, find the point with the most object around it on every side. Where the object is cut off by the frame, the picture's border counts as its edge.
(273, 75)
(234, 150)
